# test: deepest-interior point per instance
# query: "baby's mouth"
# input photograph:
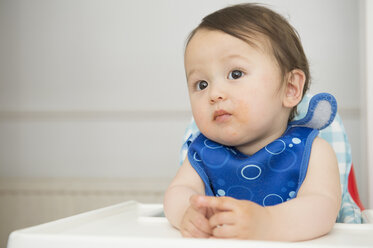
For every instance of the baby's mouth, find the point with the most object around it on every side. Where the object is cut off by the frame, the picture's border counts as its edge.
(221, 115)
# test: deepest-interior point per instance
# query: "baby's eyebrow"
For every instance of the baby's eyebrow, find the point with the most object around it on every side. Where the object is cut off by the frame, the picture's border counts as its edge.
(191, 72)
(234, 56)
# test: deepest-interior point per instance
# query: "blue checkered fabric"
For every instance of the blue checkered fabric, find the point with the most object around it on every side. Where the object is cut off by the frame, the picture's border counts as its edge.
(335, 134)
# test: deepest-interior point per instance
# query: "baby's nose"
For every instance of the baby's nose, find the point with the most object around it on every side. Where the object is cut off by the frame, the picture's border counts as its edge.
(216, 94)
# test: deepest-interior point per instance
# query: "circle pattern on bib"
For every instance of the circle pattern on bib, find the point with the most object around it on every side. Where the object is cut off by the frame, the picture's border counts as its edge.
(289, 159)
(272, 199)
(240, 192)
(215, 157)
(251, 172)
(276, 147)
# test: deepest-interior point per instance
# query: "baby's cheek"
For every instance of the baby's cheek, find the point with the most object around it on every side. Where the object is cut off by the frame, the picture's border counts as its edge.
(197, 112)
(201, 120)
(245, 111)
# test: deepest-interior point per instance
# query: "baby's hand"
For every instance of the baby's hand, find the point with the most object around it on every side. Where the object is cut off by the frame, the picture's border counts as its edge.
(195, 223)
(233, 218)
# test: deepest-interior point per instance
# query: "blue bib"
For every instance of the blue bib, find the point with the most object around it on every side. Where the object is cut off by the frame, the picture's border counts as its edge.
(272, 175)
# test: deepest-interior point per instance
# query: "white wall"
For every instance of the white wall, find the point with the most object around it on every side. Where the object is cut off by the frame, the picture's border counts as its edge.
(368, 95)
(93, 88)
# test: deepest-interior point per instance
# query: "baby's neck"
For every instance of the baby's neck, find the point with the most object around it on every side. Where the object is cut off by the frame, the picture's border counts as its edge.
(253, 146)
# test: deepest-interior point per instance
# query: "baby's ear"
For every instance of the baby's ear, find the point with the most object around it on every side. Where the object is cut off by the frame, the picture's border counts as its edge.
(294, 88)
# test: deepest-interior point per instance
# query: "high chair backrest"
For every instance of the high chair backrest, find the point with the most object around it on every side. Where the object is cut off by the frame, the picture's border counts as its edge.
(353, 190)
(335, 134)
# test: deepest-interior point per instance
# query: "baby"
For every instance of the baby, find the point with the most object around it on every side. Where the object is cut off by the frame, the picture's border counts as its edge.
(246, 72)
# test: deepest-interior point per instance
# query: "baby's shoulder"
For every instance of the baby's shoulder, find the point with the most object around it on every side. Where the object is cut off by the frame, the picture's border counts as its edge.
(322, 152)
(322, 145)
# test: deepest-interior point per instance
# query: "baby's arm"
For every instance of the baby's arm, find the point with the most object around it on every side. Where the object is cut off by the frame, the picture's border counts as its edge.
(191, 221)
(311, 214)
(314, 211)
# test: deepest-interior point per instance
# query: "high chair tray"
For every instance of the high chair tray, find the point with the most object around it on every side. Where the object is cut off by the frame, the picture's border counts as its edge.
(132, 224)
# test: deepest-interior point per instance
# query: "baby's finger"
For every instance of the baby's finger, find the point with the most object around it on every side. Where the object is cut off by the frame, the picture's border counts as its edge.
(217, 203)
(191, 231)
(222, 218)
(185, 234)
(202, 224)
(196, 201)
(224, 231)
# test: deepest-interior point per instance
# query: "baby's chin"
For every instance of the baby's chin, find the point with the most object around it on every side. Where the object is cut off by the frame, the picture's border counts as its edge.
(228, 138)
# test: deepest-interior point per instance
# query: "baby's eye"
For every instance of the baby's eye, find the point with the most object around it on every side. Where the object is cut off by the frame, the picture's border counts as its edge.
(201, 85)
(235, 74)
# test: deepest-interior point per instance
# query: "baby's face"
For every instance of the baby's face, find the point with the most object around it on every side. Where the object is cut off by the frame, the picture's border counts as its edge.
(235, 91)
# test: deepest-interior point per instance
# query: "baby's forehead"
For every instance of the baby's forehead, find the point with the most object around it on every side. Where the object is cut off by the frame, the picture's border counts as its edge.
(259, 41)
(255, 40)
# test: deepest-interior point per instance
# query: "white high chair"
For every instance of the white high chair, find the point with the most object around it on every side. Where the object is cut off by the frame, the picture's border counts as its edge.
(132, 224)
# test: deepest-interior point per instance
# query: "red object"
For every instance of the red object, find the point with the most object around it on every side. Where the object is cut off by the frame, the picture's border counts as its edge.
(352, 188)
